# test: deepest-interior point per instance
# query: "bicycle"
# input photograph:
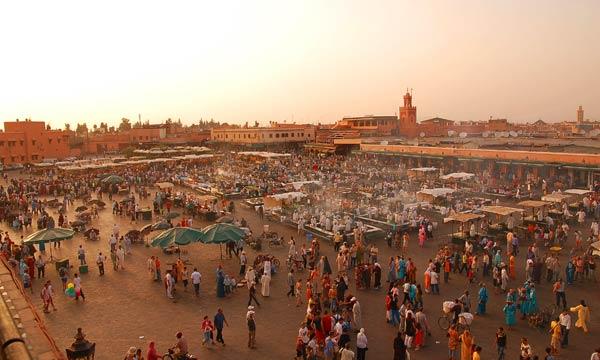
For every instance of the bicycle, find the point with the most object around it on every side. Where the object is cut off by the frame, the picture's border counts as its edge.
(447, 319)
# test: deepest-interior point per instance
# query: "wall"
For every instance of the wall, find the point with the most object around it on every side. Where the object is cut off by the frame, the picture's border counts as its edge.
(499, 155)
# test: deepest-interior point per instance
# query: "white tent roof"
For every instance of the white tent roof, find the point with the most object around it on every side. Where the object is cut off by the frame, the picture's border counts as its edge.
(458, 176)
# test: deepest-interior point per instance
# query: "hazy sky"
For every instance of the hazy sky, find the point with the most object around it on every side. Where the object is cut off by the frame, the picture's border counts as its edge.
(316, 61)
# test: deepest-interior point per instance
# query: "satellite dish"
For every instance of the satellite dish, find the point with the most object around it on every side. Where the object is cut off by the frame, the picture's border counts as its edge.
(462, 135)
(505, 134)
(422, 134)
(485, 134)
(451, 133)
(594, 133)
(384, 142)
(520, 132)
(513, 134)
(497, 134)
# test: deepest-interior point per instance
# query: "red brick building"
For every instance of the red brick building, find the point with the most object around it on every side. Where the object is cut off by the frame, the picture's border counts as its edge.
(28, 141)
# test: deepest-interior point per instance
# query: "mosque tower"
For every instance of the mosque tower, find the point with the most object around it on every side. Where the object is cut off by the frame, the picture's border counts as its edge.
(580, 115)
(408, 117)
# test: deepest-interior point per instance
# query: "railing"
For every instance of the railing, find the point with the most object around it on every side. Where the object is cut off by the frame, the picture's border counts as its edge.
(13, 345)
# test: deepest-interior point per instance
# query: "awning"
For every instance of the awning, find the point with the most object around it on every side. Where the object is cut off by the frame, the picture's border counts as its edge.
(580, 168)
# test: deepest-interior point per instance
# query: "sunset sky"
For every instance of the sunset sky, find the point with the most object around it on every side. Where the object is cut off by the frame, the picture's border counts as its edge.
(310, 61)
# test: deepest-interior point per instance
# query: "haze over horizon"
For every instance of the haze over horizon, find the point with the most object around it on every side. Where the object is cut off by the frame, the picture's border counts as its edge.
(309, 61)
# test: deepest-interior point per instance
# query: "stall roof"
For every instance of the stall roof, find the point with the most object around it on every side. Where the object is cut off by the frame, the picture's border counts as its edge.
(577, 191)
(463, 217)
(556, 197)
(424, 169)
(437, 191)
(294, 195)
(458, 176)
(533, 203)
(264, 154)
(501, 210)
(164, 185)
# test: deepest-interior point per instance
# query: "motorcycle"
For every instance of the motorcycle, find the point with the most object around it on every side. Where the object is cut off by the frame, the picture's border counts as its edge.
(170, 355)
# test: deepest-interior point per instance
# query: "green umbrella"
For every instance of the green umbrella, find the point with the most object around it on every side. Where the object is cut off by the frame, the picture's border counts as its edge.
(49, 235)
(113, 179)
(177, 236)
(221, 234)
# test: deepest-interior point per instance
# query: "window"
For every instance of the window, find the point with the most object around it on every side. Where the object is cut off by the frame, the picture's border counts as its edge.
(293, 134)
(277, 135)
(1, 143)
(33, 142)
(13, 159)
(308, 135)
(22, 158)
(270, 135)
(58, 140)
(49, 141)
(22, 142)
(34, 157)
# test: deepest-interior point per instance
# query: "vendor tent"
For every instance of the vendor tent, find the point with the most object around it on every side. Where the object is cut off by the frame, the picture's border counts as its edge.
(177, 236)
(557, 197)
(501, 210)
(458, 176)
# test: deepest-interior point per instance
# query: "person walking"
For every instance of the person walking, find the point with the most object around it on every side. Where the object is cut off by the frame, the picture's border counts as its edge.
(559, 291)
(40, 263)
(346, 353)
(555, 336)
(251, 327)
(252, 294)
(291, 283)
(399, 347)
(500, 342)
(81, 255)
(526, 350)
(100, 262)
(219, 321)
(583, 315)
(78, 288)
(361, 345)
(466, 345)
(196, 278)
(483, 298)
(565, 326)
(453, 341)
(243, 262)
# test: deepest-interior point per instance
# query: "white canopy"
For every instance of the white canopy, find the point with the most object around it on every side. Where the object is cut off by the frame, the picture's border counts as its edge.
(458, 176)
(436, 192)
(295, 195)
(298, 184)
(424, 169)
(577, 191)
(264, 154)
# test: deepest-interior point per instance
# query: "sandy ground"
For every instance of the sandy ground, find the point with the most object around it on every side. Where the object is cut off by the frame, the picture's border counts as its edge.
(126, 308)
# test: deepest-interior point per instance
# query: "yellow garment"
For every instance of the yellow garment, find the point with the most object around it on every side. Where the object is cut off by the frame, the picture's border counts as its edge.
(476, 356)
(555, 331)
(583, 316)
(466, 346)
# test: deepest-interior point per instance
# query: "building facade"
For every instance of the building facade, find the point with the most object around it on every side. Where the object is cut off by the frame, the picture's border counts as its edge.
(265, 135)
(27, 141)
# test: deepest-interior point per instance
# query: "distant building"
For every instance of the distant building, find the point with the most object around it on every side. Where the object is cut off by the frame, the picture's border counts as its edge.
(276, 134)
(437, 121)
(408, 117)
(369, 125)
(31, 142)
(580, 114)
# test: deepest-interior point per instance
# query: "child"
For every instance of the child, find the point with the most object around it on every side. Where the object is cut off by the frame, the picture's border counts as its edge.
(228, 285)
(207, 331)
(62, 273)
(419, 337)
(27, 282)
